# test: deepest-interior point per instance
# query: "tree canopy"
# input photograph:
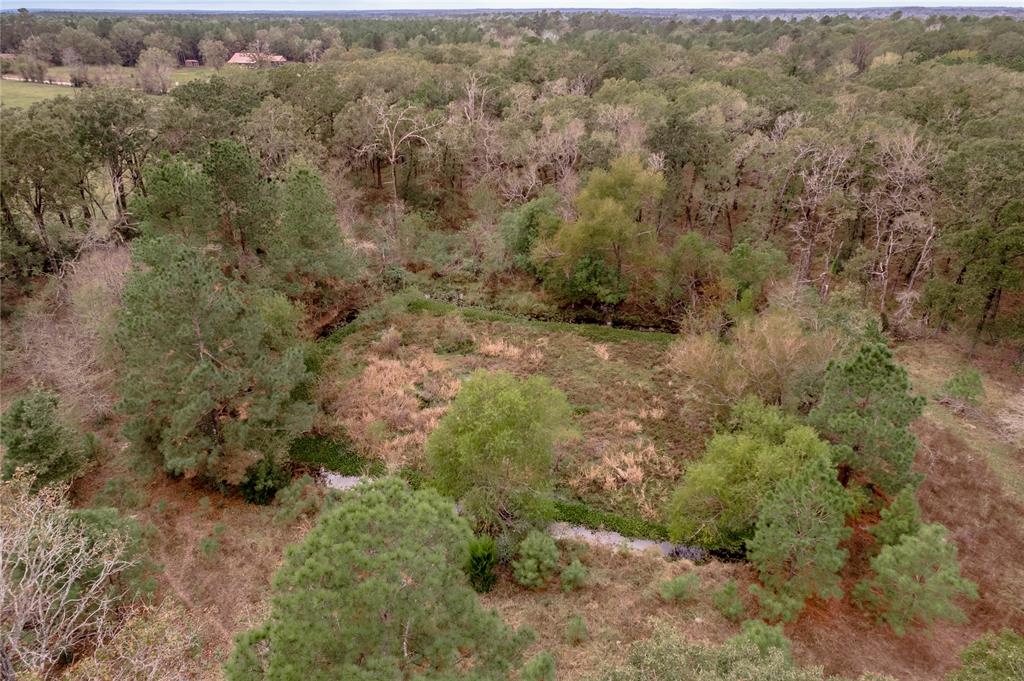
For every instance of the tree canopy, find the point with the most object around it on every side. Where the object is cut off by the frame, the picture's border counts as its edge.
(387, 563)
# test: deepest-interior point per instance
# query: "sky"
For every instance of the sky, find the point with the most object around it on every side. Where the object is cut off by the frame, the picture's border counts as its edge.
(340, 5)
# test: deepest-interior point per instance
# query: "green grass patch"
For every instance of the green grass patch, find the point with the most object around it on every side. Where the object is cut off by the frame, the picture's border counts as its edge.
(334, 454)
(633, 527)
(18, 94)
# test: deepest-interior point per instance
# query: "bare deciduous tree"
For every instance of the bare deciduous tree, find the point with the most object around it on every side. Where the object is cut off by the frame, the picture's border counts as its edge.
(397, 127)
(827, 176)
(899, 206)
(59, 582)
(153, 644)
(213, 52)
(156, 69)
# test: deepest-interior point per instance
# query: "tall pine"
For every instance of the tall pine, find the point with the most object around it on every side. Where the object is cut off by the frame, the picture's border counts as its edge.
(866, 409)
(916, 581)
(306, 248)
(213, 372)
(796, 544)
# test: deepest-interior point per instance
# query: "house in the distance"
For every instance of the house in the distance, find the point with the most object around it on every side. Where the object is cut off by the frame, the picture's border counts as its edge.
(253, 59)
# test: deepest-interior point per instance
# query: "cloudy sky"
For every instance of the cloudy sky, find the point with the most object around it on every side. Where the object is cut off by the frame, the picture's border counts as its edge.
(265, 5)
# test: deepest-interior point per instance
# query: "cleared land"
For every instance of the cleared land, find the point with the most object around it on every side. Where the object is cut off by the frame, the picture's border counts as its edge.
(20, 94)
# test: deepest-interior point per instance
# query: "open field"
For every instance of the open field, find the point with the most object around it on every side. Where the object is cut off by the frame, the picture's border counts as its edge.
(19, 94)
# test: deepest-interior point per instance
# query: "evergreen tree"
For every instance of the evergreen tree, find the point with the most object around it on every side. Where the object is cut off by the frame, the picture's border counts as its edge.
(494, 449)
(900, 518)
(36, 440)
(212, 368)
(796, 544)
(306, 247)
(246, 200)
(180, 200)
(376, 591)
(916, 581)
(866, 408)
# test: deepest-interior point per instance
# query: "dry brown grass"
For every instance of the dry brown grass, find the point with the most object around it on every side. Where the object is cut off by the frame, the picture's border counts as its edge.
(636, 472)
(383, 409)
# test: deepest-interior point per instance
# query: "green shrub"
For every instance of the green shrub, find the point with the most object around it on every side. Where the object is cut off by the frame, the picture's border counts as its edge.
(483, 556)
(573, 575)
(209, 545)
(728, 602)
(966, 386)
(262, 480)
(36, 440)
(494, 449)
(717, 504)
(540, 667)
(538, 560)
(765, 637)
(576, 630)
(992, 657)
(680, 589)
(667, 656)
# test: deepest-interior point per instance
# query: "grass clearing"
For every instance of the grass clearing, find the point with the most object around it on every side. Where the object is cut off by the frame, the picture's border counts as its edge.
(18, 94)
(636, 432)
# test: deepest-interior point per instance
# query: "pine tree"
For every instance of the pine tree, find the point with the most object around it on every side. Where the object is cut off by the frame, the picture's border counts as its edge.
(212, 367)
(376, 591)
(796, 544)
(306, 246)
(866, 408)
(901, 517)
(179, 200)
(246, 201)
(916, 581)
(36, 440)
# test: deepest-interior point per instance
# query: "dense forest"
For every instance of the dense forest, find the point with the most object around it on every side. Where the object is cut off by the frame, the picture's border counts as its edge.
(512, 346)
